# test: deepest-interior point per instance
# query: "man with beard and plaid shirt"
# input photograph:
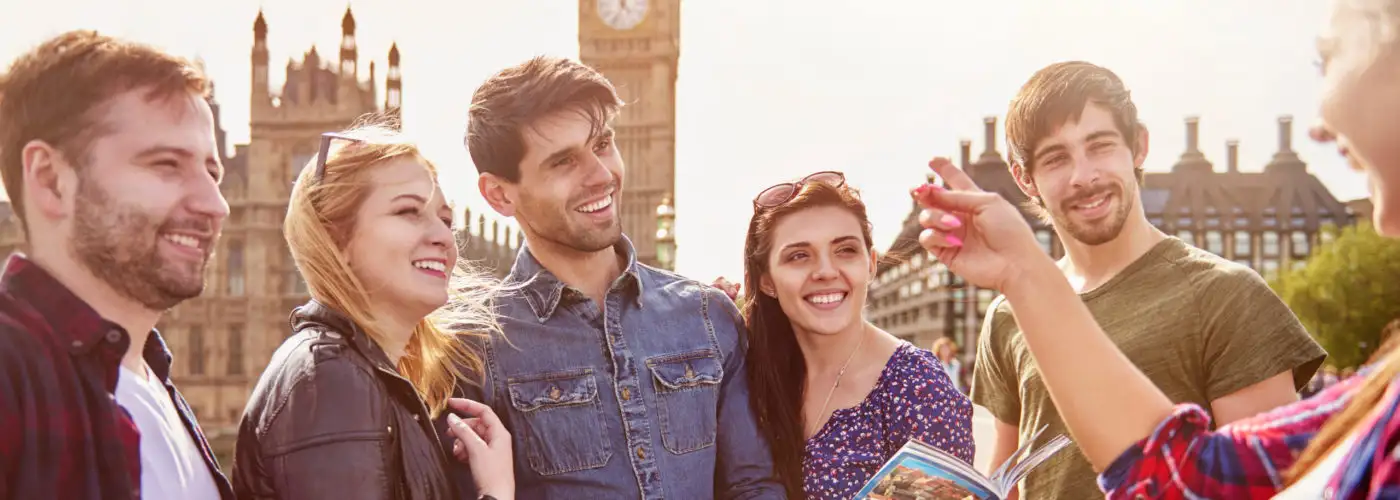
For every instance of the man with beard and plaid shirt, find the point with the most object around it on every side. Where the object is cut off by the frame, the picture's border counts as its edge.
(109, 159)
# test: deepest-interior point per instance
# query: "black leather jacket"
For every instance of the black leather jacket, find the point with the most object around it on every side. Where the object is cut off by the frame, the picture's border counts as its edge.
(331, 418)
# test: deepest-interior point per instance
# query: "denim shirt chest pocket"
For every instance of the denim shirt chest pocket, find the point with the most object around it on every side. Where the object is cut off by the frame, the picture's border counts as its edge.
(561, 420)
(687, 391)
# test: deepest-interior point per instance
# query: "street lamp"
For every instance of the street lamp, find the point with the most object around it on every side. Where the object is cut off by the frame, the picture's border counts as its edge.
(665, 234)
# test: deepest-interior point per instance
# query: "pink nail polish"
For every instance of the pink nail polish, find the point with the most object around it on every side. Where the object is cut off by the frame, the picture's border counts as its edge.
(953, 240)
(950, 220)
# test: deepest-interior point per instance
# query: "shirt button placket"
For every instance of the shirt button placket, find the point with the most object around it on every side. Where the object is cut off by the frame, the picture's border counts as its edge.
(637, 420)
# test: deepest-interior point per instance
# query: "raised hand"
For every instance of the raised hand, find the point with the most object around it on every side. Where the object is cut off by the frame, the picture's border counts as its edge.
(484, 445)
(978, 235)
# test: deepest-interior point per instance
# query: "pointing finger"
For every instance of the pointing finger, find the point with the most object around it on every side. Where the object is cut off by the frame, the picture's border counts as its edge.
(953, 176)
(958, 202)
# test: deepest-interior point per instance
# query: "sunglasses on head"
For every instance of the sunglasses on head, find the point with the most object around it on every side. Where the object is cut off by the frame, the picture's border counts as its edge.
(326, 139)
(784, 192)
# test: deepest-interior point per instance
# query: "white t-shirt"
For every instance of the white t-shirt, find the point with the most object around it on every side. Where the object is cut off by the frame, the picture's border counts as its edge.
(172, 466)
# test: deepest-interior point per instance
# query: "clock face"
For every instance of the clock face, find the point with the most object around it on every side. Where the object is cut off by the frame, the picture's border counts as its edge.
(622, 14)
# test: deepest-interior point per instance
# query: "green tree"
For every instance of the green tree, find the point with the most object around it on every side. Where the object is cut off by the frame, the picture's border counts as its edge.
(1347, 292)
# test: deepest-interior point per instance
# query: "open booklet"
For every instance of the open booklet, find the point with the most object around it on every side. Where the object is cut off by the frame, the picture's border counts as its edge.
(920, 471)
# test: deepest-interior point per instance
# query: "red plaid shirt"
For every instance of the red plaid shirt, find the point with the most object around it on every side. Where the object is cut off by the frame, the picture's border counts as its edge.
(1184, 459)
(62, 433)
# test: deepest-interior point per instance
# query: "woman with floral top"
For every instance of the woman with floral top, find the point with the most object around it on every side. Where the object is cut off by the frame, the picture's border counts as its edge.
(835, 395)
(1340, 444)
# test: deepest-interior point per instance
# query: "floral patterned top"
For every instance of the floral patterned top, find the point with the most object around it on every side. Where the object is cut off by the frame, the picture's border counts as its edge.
(913, 398)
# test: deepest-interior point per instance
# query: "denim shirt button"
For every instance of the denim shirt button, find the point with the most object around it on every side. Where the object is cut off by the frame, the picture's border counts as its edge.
(641, 454)
(626, 394)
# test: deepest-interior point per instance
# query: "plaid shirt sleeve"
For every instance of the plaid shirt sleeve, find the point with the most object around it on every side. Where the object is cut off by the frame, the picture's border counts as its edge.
(1184, 459)
(10, 421)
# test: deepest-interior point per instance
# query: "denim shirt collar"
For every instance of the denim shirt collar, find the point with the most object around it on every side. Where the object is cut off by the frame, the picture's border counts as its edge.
(544, 291)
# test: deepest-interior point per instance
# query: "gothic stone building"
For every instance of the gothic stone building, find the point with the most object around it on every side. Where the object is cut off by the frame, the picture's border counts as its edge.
(1266, 220)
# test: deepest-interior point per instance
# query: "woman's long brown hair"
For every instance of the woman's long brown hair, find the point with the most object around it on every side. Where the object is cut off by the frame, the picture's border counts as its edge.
(777, 370)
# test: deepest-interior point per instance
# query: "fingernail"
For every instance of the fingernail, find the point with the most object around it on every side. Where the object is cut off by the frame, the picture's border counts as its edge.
(919, 191)
(454, 420)
(950, 220)
(953, 240)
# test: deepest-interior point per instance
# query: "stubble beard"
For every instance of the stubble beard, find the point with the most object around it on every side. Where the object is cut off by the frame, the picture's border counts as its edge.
(560, 229)
(120, 246)
(1097, 232)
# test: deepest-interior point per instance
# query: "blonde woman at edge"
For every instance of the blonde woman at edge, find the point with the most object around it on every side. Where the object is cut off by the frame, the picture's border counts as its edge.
(344, 410)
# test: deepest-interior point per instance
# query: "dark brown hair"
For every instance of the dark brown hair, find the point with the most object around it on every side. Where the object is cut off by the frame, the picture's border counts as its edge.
(56, 91)
(515, 97)
(775, 363)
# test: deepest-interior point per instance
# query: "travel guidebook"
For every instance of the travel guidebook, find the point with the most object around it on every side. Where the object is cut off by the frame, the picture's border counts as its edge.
(919, 471)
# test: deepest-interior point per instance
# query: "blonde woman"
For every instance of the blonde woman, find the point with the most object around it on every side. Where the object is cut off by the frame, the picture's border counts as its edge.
(344, 410)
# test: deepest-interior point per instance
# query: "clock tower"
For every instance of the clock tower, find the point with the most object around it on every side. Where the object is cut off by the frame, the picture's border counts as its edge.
(636, 45)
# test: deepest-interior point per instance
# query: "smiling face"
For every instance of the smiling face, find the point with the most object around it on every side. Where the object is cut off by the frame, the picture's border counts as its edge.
(1360, 52)
(147, 211)
(819, 269)
(570, 183)
(402, 248)
(1085, 176)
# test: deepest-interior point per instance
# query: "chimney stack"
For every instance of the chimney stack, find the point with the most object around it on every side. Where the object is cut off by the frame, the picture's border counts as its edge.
(1193, 134)
(965, 147)
(989, 135)
(1285, 159)
(1192, 159)
(989, 155)
(1232, 155)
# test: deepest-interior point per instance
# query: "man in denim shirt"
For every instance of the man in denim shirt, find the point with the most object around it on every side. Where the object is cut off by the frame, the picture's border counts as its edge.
(616, 380)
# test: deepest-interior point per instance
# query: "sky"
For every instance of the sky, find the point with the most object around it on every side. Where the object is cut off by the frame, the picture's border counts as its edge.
(775, 89)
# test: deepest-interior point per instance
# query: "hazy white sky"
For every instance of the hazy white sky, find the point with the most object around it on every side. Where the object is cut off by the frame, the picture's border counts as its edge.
(775, 89)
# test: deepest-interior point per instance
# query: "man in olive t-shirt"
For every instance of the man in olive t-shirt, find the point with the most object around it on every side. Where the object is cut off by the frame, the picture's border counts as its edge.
(1204, 329)
(1199, 326)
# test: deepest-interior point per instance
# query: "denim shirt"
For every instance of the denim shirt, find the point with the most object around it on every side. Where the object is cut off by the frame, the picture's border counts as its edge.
(644, 397)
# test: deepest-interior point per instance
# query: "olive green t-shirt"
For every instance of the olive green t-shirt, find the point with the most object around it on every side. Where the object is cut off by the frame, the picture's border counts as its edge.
(1199, 326)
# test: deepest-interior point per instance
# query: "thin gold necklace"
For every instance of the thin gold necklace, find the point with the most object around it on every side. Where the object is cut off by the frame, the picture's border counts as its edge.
(837, 383)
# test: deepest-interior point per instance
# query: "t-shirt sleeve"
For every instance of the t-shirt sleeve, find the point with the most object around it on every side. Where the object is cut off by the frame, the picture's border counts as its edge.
(1250, 335)
(994, 380)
